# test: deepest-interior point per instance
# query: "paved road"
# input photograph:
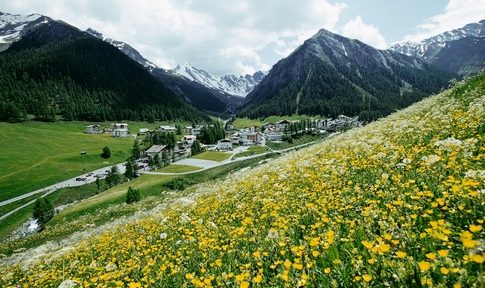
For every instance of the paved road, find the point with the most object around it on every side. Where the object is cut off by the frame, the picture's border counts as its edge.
(67, 183)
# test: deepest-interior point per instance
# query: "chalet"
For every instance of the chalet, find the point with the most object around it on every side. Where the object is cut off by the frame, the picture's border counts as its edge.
(193, 130)
(120, 130)
(189, 139)
(256, 138)
(156, 149)
(167, 128)
(93, 129)
(281, 125)
(268, 126)
(224, 144)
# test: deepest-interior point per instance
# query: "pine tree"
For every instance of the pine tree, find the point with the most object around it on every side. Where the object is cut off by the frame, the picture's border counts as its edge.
(43, 212)
(133, 195)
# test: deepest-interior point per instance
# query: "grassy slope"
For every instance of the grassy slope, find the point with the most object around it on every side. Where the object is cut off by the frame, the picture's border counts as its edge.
(213, 156)
(396, 203)
(253, 150)
(178, 168)
(35, 155)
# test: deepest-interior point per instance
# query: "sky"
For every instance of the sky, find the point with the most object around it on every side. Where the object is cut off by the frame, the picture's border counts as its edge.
(243, 36)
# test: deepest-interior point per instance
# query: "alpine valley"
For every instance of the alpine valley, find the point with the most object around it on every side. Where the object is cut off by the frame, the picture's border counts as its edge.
(341, 166)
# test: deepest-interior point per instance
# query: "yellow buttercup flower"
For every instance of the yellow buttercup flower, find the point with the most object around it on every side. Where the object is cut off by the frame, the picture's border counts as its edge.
(367, 277)
(424, 266)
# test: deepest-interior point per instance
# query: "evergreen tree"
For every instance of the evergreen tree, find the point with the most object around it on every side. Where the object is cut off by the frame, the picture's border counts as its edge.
(196, 148)
(43, 212)
(113, 177)
(135, 152)
(133, 195)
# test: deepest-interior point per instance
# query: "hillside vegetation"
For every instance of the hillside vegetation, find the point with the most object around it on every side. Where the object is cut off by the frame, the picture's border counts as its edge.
(396, 203)
(56, 70)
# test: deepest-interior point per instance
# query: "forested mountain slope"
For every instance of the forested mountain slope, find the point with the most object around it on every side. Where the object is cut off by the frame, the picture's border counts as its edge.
(57, 70)
(331, 75)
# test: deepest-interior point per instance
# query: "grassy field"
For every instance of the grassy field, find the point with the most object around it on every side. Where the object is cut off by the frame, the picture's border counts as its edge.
(253, 150)
(35, 155)
(240, 123)
(213, 156)
(176, 168)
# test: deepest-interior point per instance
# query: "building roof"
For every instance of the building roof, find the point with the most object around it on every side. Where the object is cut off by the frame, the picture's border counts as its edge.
(156, 148)
(225, 140)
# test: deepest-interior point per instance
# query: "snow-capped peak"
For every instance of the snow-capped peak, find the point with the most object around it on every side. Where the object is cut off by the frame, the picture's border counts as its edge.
(13, 26)
(430, 47)
(231, 84)
(125, 48)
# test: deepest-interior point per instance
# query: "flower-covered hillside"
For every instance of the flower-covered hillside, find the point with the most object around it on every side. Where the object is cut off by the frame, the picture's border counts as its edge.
(399, 203)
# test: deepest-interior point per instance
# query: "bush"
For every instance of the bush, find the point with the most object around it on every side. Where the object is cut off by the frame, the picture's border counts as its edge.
(43, 211)
(106, 152)
(133, 195)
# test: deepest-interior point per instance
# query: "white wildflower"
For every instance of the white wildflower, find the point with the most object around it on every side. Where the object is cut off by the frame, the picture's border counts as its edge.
(67, 284)
(110, 267)
(184, 218)
(273, 234)
(449, 144)
(163, 236)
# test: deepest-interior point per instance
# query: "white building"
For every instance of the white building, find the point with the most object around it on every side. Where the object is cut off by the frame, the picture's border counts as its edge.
(120, 130)
(193, 130)
(93, 129)
(273, 136)
(224, 144)
(189, 139)
(167, 128)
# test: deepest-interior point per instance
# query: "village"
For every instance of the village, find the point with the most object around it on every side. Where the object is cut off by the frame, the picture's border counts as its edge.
(171, 143)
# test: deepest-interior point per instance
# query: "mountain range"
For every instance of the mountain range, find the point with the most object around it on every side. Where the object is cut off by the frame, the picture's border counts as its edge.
(458, 51)
(327, 75)
(231, 84)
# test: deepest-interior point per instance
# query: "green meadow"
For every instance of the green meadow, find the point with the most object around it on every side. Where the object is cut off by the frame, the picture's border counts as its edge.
(35, 155)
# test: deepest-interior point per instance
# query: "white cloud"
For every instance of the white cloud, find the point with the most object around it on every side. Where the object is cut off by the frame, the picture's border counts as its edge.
(369, 34)
(230, 36)
(457, 14)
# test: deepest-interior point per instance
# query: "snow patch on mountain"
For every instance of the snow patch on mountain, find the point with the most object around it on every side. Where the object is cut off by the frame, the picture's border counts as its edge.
(13, 26)
(125, 48)
(231, 84)
(428, 48)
